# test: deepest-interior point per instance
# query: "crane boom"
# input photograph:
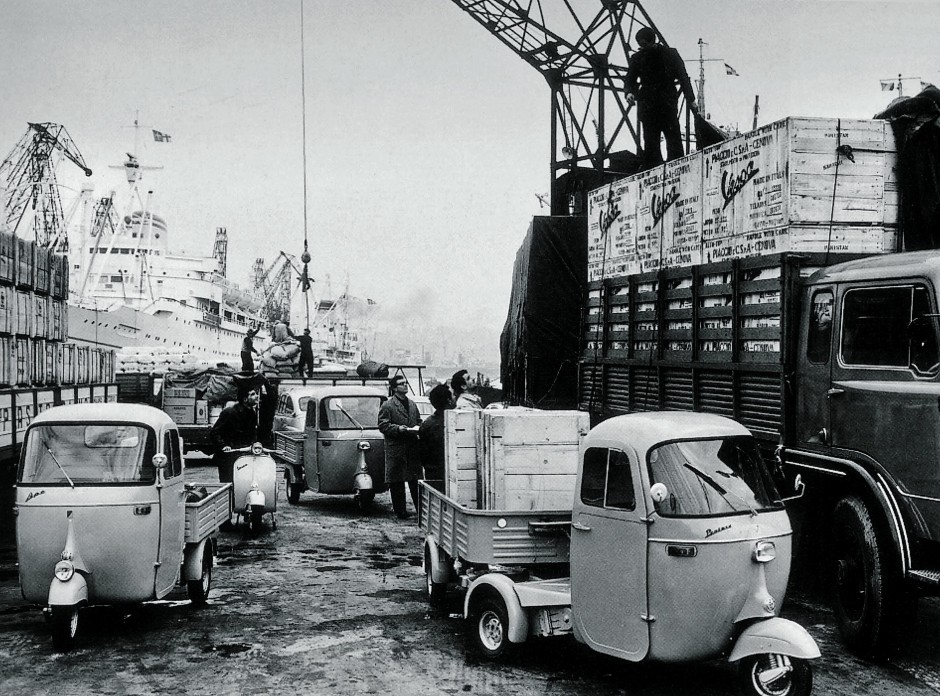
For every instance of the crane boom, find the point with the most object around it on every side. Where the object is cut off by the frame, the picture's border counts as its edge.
(579, 55)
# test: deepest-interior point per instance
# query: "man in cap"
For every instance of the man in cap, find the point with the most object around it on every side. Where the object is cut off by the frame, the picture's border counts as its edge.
(651, 83)
(248, 363)
(306, 355)
(236, 427)
(398, 422)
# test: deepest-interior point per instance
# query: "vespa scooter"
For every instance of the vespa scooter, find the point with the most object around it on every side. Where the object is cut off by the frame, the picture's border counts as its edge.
(254, 482)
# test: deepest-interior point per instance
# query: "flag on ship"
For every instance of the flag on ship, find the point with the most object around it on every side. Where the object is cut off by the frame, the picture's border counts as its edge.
(160, 137)
(731, 71)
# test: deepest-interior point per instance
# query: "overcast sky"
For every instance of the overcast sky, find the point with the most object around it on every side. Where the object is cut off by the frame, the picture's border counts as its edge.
(427, 139)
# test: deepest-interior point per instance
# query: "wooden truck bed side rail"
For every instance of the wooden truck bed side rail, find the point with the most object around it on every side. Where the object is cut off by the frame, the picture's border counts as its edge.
(203, 517)
(494, 537)
(289, 446)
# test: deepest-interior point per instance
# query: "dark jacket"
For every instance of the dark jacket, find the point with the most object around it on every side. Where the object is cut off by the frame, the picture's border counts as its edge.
(402, 461)
(236, 427)
(431, 442)
(657, 68)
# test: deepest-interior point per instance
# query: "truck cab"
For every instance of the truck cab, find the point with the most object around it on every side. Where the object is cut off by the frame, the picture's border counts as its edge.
(867, 434)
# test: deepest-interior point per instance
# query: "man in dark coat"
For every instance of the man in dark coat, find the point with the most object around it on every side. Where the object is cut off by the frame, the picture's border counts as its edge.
(248, 363)
(306, 355)
(431, 438)
(657, 68)
(398, 422)
(236, 427)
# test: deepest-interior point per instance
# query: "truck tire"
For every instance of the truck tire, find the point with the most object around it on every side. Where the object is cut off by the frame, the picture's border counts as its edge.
(489, 629)
(437, 591)
(870, 602)
(64, 620)
(774, 675)
(198, 590)
(364, 501)
(293, 492)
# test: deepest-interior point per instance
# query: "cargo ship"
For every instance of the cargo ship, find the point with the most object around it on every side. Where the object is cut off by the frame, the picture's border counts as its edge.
(128, 290)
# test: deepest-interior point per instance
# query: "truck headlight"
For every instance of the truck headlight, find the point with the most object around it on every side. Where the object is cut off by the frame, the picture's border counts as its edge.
(764, 551)
(64, 570)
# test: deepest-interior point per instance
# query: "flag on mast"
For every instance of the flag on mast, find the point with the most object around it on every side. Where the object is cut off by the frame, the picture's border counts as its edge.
(888, 85)
(731, 71)
(159, 137)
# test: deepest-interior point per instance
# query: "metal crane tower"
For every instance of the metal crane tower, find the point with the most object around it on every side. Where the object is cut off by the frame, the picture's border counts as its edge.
(584, 59)
(28, 175)
(220, 250)
(274, 282)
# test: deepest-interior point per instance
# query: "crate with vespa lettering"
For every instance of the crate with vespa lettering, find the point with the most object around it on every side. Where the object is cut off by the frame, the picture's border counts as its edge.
(513, 459)
(797, 185)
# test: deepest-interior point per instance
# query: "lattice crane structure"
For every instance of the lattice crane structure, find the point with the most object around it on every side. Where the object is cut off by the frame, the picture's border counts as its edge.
(27, 175)
(584, 57)
(275, 282)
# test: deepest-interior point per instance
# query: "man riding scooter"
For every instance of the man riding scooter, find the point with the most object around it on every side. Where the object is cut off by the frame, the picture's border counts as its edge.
(236, 427)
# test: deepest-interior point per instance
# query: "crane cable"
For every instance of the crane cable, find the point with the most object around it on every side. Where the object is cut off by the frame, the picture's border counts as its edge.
(305, 257)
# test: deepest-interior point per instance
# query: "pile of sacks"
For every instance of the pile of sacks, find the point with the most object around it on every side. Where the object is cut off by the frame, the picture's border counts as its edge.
(280, 359)
(153, 360)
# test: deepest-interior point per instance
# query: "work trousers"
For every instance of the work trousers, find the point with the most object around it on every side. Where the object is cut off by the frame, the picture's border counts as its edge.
(660, 119)
(397, 489)
(248, 364)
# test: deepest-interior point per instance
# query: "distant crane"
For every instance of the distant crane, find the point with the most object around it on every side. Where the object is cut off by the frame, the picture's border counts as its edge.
(220, 250)
(275, 282)
(585, 57)
(28, 175)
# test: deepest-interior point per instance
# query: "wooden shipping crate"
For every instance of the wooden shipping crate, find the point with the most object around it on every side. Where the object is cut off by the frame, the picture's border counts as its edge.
(24, 262)
(530, 458)
(7, 309)
(7, 258)
(800, 184)
(460, 456)
(24, 313)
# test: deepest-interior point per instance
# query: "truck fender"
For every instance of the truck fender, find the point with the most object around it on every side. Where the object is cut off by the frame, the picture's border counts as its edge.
(69, 593)
(774, 635)
(504, 587)
(192, 559)
(439, 570)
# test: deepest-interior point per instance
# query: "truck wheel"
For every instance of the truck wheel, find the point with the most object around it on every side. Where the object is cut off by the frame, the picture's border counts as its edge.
(774, 675)
(489, 629)
(198, 590)
(364, 500)
(437, 591)
(255, 521)
(869, 600)
(293, 492)
(64, 620)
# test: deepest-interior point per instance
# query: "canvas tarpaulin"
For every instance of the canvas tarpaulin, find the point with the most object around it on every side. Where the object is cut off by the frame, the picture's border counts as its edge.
(540, 342)
(916, 125)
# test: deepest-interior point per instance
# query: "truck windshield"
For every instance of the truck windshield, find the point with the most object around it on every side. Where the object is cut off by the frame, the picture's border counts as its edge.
(76, 454)
(345, 412)
(712, 477)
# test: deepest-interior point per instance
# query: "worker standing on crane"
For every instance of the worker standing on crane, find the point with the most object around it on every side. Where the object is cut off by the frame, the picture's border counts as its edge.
(651, 83)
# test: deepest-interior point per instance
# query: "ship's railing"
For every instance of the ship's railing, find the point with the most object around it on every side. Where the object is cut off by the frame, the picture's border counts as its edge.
(211, 318)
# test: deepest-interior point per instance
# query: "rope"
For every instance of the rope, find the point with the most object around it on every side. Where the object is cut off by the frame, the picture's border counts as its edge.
(303, 109)
(835, 183)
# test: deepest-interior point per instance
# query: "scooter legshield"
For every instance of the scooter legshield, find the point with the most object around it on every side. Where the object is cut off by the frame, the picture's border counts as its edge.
(69, 593)
(775, 635)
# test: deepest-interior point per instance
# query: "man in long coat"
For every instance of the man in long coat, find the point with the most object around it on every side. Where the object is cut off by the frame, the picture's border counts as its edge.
(398, 422)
